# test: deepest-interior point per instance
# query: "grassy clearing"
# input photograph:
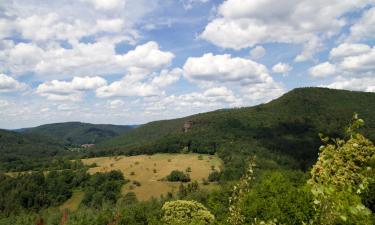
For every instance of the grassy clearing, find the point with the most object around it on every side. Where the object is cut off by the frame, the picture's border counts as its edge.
(73, 203)
(150, 169)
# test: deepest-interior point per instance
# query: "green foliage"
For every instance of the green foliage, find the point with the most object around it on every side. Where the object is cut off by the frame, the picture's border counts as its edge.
(214, 176)
(76, 133)
(20, 152)
(103, 188)
(282, 133)
(281, 195)
(36, 191)
(176, 176)
(239, 191)
(344, 170)
(182, 212)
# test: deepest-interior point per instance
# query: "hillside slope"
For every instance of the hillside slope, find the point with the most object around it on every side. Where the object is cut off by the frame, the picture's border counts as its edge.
(287, 126)
(16, 149)
(77, 133)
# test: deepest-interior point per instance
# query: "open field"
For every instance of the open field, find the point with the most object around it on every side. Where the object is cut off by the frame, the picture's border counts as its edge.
(150, 169)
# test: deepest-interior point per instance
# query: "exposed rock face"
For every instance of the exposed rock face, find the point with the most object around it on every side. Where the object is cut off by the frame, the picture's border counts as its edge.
(188, 125)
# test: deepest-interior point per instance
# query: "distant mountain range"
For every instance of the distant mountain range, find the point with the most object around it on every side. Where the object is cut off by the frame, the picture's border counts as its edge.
(77, 133)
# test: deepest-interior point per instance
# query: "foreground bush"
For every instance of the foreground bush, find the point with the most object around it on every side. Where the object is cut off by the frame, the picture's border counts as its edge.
(183, 212)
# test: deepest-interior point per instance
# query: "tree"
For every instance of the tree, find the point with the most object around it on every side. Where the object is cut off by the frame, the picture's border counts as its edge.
(177, 175)
(183, 212)
(342, 172)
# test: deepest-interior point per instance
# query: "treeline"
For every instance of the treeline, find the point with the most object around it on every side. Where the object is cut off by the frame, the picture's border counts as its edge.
(33, 192)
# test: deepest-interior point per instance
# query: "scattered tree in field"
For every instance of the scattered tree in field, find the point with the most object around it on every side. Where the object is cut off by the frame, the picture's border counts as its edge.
(214, 176)
(177, 175)
(183, 212)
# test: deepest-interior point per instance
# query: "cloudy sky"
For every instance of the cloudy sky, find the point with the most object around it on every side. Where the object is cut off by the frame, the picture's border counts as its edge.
(134, 61)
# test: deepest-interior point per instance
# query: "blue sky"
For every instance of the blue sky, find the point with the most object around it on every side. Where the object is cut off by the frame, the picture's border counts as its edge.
(135, 61)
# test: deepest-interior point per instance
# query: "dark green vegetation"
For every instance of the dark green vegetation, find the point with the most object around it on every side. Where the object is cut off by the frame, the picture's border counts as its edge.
(76, 133)
(177, 176)
(103, 188)
(21, 152)
(283, 133)
(36, 191)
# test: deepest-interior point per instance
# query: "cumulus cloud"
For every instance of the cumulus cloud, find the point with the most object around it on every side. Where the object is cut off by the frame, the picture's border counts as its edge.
(356, 84)
(69, 90)
(323, 70)
(348, 49)
(349, 60)
(365, 27)
(9, 84)
(140, 83)
(83, 58)
(212, 98)
(257, 52)
(281, 68)
(224, 68)
(245, 23)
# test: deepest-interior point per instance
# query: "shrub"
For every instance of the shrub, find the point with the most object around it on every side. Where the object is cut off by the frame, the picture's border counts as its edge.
(177, 175)
(183, 212)
(214, 176)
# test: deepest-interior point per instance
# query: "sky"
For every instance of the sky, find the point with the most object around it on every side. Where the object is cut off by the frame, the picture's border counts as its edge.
(135, 61)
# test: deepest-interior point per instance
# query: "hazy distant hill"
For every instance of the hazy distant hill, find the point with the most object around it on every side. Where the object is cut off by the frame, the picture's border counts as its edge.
(288, 125)
(77, 133)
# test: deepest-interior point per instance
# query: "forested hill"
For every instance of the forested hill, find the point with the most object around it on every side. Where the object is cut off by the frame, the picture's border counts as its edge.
(16, 149)
(288, 125)
(77, 133)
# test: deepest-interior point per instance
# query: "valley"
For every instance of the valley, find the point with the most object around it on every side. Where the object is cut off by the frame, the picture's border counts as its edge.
(150, 170)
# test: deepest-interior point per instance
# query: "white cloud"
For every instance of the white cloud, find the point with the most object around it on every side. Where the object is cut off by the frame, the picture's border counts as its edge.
(262, 92)
(281, 68)
(69, 91)
(140, 83)
(107, 4)
(97, 58)
(365, 27)
(167, 77)
(224, 68)
(257, 52)
(356, 84)
(147, 56)
(245, 23)
(323, 70)
(248, 77)
(359, 63)
(349, 60)
(5, 28)
(117, 103)
(3, 103)
(348, 49)
(210, 99)
(9, 84)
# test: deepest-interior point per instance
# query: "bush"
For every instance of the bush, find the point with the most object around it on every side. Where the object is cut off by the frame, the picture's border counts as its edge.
(214, 176)
(177, 175)
(186, 213)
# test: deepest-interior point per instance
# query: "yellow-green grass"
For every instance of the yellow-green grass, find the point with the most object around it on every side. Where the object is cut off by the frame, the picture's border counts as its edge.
(73, 203)
(142, 167)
